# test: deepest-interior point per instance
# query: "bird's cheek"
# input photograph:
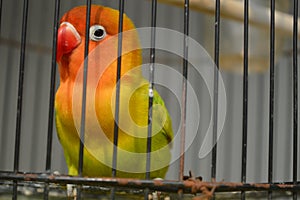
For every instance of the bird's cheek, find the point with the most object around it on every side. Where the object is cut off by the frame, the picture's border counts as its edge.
(67, 40)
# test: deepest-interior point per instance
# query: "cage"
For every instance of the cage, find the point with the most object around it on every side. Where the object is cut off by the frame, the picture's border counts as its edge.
(226, 70)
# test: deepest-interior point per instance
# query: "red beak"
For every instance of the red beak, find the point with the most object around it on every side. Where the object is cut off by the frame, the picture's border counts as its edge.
(67, 39)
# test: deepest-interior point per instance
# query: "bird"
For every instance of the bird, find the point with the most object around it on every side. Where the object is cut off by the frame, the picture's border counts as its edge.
(133, 122)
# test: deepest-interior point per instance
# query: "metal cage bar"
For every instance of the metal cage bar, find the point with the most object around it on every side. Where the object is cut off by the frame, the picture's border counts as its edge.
(52, 96)
(118, 88)
(160, 185)
(151, 92)
(184, 86)
(295, 95)
(117, 101)
(84, 88)
(272, 94)
(52, 88)
(20, 95)
(84, 92)
(151, 86)
(216, 90)
(245, 96)
(1, 2)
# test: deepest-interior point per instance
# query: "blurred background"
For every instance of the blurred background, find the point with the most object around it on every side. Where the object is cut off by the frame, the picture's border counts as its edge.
(37, 86)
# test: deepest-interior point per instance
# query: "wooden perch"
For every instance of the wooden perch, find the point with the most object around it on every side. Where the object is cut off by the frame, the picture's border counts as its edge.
(258, 16)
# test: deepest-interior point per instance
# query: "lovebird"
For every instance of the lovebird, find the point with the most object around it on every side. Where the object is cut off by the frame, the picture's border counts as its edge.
(101, 98)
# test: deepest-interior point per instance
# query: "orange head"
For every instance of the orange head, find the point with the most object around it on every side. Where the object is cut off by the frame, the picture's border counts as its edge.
(104, 23)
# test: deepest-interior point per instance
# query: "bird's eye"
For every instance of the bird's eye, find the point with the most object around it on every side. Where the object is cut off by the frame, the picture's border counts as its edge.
(97, 32)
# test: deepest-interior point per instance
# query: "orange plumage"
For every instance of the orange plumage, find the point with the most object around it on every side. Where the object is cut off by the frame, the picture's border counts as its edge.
(102, 69)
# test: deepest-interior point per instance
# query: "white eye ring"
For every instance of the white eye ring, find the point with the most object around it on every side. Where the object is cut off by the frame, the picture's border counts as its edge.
(97, 32)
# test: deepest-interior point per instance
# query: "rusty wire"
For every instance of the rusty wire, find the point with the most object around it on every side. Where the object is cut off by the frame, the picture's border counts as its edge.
(187, 186)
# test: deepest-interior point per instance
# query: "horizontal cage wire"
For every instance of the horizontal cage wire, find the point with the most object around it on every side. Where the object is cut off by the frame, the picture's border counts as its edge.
(158, 99)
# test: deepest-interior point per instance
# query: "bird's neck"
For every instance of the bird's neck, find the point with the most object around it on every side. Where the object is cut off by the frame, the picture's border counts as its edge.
(71, 68)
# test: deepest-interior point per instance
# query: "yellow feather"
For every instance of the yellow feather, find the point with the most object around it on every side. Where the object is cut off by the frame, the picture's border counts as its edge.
(98, 151)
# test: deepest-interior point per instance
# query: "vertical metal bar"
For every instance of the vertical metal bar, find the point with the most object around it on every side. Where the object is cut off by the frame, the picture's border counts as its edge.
(184, 86)
(20, 95)
(295, 96)
(0, 14)
(272, 92)
(117, 101)
(52, 87)
(216, 89)
(84, 91)
(52, 95)
(245, 96)
(151, 86)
